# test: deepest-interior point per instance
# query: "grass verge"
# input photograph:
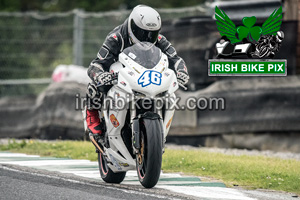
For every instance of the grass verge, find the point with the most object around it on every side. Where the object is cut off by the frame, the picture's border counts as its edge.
(246, 171)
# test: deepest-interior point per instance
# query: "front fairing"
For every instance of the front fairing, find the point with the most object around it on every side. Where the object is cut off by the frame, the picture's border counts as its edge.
(133, 77)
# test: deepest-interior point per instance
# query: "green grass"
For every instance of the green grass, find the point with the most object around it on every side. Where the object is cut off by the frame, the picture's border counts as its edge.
(246, 171)
(60, 149)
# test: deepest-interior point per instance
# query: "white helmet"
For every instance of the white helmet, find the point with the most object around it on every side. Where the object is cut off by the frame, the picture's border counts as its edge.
(144, 24)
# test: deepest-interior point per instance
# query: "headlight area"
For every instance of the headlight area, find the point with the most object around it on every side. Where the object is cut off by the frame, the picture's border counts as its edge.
(142, 95)
(145, 103)
(138, 95)
(162, 94)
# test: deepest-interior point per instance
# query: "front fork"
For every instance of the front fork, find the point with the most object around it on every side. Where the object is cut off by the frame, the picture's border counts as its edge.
(135, 122)
(135, 127)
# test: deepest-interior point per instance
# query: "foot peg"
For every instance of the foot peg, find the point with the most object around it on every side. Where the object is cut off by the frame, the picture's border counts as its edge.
(96, 144)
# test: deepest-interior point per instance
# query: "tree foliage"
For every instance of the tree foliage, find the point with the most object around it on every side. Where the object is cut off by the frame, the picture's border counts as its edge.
(91, 5)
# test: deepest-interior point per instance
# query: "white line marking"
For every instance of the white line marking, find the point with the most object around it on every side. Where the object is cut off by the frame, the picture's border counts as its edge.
(9, 155)
(51, 163)
(208, 192)
(81, 172)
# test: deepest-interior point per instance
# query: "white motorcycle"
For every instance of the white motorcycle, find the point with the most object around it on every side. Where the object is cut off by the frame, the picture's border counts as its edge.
(135, 134)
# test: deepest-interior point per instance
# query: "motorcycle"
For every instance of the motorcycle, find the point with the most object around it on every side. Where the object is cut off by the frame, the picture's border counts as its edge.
(135, 134)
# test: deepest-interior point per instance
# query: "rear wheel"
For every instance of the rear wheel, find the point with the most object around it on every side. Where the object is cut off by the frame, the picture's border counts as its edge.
(149, 158)
(107, 174)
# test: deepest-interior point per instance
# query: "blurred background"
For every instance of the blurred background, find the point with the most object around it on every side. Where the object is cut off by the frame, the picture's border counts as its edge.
(47, 45)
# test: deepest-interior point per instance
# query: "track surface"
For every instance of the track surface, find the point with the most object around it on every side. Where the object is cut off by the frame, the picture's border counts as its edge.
(16, 184)
(34, 177)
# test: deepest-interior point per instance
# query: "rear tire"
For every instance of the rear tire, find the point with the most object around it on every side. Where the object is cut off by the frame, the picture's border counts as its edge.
(148, 161)
(107, 174)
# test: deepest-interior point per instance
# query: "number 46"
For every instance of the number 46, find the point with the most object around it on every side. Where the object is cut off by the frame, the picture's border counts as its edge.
(150, 77)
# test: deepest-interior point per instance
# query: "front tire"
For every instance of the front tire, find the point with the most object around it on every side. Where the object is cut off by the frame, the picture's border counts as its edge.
(148, 161)
(107, 174)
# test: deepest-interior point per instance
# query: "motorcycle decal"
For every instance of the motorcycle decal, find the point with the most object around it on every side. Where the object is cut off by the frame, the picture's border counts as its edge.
(162, 70)
(150, 77)
(174, 84)
(115, 163)
(132, 55)
(169, 122)
(117, 94)
(131, 73)
(124, 164)
(114, 120)
(136, 70)
(123, 83)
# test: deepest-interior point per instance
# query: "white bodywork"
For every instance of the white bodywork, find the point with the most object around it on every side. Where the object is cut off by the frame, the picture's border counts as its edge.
(129, 74)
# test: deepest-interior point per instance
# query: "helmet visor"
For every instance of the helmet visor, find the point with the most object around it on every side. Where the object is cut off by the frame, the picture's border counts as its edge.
(144, 35)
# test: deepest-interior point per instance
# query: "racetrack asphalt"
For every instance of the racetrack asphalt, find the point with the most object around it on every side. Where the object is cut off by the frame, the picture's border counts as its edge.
(17, 183)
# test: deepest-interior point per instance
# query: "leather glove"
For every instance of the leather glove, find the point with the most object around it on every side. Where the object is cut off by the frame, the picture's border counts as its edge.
(182, 77)
(105, 78)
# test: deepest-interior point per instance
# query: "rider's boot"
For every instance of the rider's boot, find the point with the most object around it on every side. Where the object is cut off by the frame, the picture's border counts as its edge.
(95, 127)
(93, 122)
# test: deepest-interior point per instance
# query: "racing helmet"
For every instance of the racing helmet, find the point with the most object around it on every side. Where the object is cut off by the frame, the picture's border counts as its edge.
(144, 24)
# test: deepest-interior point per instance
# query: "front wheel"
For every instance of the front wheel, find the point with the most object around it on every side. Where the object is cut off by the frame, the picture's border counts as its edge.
(107, 174)
(149, 158)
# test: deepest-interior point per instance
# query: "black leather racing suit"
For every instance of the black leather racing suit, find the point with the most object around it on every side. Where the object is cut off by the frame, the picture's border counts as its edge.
(117, 40)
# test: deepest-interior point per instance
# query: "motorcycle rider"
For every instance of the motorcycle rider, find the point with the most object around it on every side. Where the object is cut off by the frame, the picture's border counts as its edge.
(143, 25)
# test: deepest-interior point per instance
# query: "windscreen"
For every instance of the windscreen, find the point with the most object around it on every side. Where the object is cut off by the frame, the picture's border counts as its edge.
(145, 54)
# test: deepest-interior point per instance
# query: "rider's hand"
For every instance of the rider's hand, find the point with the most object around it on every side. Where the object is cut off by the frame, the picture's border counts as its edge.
(182, 77)
(105, 78)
